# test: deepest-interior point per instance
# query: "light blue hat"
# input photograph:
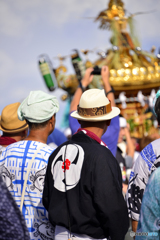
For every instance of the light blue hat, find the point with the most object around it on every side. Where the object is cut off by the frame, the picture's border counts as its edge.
(38, 107)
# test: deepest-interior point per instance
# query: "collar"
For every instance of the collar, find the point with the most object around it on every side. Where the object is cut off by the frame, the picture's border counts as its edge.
(92, 135)
(6, 140)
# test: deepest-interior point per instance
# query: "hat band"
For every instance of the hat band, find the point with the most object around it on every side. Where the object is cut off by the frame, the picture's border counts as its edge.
(92, 112)
(15, 129)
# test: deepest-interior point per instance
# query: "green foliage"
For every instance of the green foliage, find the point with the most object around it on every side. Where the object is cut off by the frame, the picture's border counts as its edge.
(131, 124)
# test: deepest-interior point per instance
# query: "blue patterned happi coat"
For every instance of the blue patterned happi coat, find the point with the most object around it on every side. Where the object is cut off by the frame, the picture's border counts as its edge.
(14, 162)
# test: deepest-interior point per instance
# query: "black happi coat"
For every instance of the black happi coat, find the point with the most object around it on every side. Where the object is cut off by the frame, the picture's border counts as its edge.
(93, 203)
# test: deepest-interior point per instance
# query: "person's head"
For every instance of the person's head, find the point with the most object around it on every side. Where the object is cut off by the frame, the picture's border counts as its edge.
(39, 110)
(123, 125)
(10, 125)
(49, 123)
(156, 107)
(94, 110)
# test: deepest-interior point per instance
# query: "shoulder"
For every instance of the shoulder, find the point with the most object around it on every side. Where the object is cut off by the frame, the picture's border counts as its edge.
(148, 159)
(1, 149)
(44, 151)
(10, 148)
(48, 148)
(102, 155)
(152, 147)
(92, 149)
(155, 144)
(19, 148)
(57, 150)
(151, 154)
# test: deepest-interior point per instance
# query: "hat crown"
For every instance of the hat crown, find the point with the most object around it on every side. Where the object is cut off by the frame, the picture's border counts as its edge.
(38, 107)
(93, 98)
(9, 119)
(94, 106)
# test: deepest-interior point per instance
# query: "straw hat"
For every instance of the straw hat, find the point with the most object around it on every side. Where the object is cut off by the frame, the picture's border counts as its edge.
(94, 106)
(9, 119)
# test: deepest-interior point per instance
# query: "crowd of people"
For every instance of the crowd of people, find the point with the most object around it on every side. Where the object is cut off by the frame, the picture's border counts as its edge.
(93, 184)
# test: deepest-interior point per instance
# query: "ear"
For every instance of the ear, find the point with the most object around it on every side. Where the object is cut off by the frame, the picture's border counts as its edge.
(24, 134)
(53, 120)
(51, 124)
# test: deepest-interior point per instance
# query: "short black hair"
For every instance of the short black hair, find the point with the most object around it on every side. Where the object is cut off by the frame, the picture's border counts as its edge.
(35, 126)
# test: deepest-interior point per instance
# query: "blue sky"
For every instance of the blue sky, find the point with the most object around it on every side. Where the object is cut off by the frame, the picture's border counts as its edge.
(30, 28)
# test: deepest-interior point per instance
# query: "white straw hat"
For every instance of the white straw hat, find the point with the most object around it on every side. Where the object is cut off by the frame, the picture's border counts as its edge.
(94, 106)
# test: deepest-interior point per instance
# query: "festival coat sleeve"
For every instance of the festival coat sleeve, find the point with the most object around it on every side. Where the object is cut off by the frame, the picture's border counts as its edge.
(136, 187)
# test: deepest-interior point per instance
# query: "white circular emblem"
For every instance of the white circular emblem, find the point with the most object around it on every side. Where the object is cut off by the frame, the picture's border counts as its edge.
(69, 171)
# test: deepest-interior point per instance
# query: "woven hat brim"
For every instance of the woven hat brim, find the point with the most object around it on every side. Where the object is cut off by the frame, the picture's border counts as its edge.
(24, 127)
(115, 112)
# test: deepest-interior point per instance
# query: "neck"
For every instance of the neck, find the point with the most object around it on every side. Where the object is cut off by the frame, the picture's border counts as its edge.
(37, 135)
(97, 131)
